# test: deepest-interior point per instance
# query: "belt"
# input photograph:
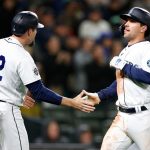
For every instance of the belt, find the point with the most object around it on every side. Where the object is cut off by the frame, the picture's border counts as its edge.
(132, 110)
(8, 102)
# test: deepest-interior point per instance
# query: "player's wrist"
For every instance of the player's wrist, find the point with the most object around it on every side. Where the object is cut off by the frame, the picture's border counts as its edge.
(66, 102)
(97, 101)
(92, 97)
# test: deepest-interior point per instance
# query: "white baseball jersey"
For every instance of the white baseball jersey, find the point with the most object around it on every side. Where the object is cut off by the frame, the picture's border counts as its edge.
(17, 69)
(134, 92)
(131, 131)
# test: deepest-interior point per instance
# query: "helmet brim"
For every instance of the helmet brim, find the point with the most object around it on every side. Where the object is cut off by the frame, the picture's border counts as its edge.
(40, 25)
(126, 16)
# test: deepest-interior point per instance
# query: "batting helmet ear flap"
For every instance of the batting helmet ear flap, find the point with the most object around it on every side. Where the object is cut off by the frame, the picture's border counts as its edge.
(121, 28)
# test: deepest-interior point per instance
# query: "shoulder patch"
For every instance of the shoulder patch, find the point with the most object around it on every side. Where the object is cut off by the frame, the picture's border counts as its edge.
(36, 72)
(148, 63)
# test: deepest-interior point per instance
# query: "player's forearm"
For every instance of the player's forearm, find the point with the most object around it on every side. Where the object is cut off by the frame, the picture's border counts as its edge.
(137, 74)
(109, 92)
(41, 93)
(66, 101)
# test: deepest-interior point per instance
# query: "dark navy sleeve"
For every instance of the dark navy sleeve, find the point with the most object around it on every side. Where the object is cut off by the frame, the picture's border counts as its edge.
(41, 93)
(137, 74)
(109, 92)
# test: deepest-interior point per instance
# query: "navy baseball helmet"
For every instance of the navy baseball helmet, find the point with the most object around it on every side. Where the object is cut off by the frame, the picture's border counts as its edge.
(23, 21)
(138, 14)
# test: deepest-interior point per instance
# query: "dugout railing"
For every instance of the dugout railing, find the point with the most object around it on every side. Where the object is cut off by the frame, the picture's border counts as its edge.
(58, 146)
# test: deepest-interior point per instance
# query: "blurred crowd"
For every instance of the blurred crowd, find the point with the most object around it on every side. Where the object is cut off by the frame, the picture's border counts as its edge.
(79, 39)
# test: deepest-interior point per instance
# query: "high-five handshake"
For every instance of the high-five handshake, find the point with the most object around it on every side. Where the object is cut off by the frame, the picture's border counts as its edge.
(132, 80)
(91, 97)
(85, 101)
(80, 102)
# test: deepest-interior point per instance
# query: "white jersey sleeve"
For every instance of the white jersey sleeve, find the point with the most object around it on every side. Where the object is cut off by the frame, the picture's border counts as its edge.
(145, 62)
(27, 70)
(17, 69)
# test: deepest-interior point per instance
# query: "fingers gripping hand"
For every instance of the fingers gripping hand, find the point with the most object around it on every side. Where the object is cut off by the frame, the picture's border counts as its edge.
(91, 97)
(28, 102)
(85, 106)
(117, 63)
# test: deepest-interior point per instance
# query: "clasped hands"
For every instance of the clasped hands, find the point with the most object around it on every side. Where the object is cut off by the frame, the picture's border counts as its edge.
(93, 98)
(79, 102)
(82, 102)
(89, 99)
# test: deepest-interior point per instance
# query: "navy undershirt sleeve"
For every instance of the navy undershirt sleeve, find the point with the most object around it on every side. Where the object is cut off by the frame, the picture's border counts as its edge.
(137, 74)
(41, 93)
(109, 92)
(131, 72)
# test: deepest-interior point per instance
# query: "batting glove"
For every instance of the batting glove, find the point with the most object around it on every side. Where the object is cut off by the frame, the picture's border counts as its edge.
(117, 63)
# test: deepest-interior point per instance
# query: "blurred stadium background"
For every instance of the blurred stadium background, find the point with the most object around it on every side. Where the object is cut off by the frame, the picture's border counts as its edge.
(72, 53)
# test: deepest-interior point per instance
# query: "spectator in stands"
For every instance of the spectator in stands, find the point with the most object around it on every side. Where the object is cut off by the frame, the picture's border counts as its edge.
(63, 31)
(72, 14)
(86, 136)
(143, 4)
(72, 43)
(106, 41)
(81, 58)
(57, 64)
(8, 9)
(116, 7)
(46, 16)
(94, 26)
(52, 133)
(98, 72)
(117, 46)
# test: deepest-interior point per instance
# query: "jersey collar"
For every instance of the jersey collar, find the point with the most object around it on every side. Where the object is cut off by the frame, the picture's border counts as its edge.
(137, 43)
(13, 41)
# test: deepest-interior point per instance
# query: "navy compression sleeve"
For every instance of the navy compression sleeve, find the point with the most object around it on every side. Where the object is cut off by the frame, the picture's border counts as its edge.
(109, 92)
(137, 74)
(41, 93)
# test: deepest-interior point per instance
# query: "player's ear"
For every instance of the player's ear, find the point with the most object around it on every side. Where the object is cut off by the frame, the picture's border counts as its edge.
(29, 31)
(143, 28)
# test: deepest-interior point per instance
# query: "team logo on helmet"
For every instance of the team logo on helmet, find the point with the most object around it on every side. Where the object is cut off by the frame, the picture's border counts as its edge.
(36, 72)
(148, 63)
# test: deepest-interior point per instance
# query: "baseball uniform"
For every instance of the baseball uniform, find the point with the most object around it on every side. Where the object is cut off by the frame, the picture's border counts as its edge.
(129, 128)
(17, 69)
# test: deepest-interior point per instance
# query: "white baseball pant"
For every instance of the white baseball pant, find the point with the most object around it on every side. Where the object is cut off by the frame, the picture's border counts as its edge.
(127, 129)
(13, 135)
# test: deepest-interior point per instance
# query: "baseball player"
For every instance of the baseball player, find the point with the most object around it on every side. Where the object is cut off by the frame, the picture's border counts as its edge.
(18, 72)
(132, 86)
